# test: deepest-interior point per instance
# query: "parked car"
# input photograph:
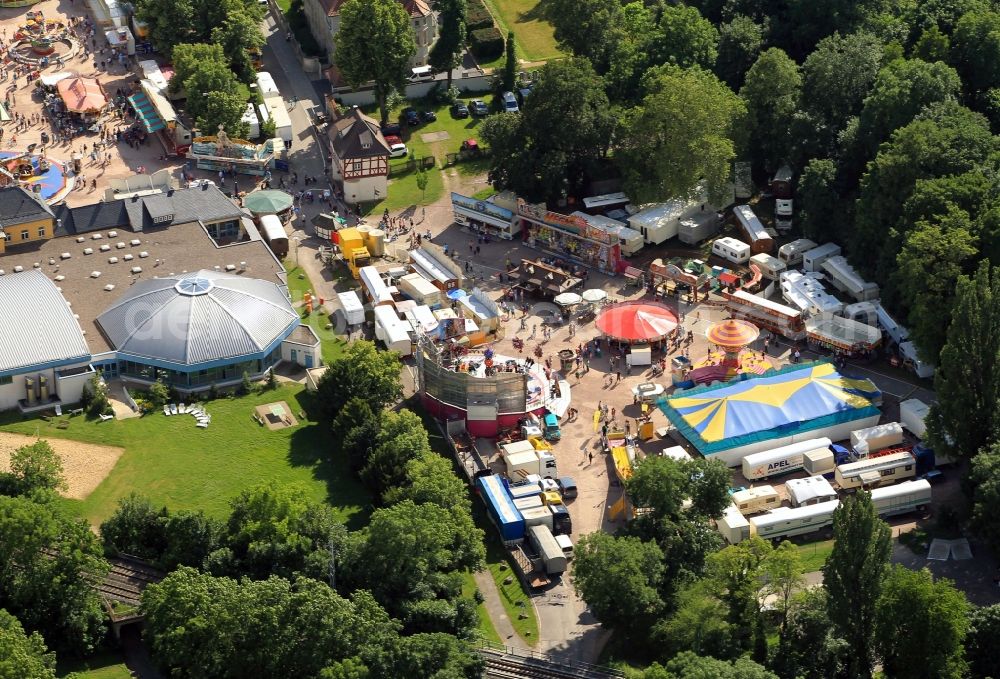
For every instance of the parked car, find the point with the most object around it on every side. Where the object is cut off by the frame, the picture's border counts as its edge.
(460, 110)
(479, 108)
(567, 486)
(523, 93)
(409, 117)
(510, 103)
(428, 116)
(470, 148)
(397, 150)
(421, 74)
(391, 130)
(647, 392)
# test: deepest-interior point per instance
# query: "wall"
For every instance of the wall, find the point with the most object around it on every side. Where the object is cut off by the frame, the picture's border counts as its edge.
(475, 82)
(301, 352)
(366, 189)
(310, 65)
(13, 232)
(68, 389)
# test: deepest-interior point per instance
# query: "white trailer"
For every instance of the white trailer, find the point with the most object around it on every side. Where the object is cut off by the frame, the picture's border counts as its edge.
(536, 516)
(735, 251)
(846, 279)
(898, 333)
(521, 460)
(812, 259)
(913, 415)
(770, 267)
(908, 350)
(548, 549)
(786, 522)
(811, 490)
(756, 500)
(782, 460)
(902, 497)
(871, 439)
(876, 471)
(791, 253)
(393, 331)
(733, 525)
(354, 310)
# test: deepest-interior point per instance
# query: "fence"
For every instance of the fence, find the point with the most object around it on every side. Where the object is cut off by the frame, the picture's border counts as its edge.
(425, 162)
(471, 81)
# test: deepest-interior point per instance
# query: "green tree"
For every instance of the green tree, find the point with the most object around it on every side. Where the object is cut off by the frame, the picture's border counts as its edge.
(771, 94)
(587, 28)
(982, 643)
(510, 65)
(933, 45)
(782, 570)
(446, 53)
(853, 577)
(356, 428)
(700, 624)
(709, 493)
(630, 54)
(23, 656)
(430, 478)
(734, 574)
(238, 33)
(135, 528)
(920, 626)
(619, 578)
(159, 393)
(942, 250)
(170, 22)
(686, 38)
(384, 61)
(966, 381)
(189, 537)
(363, 372)
(188, 59)
(545, 152)
(47, 564)
(690, 105)
(401, 438)
(35, 471)
(809, 647)
(433, 656)
(976, 50)
(422, 182)
(740, 42)
(984, 481)
(687, 665)
(663, 485)
(819, 202)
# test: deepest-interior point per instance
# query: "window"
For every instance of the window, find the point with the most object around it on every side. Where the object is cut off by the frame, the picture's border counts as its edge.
(41, 232)
(9, 379)
(25, 235)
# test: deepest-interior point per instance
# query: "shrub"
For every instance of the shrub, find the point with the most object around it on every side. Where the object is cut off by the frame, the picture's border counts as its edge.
(439, 94)
(246, 386)
(486, 43)
(213, 393)
(159, 393)
(96, 397)
(477, 16)
(272, 381)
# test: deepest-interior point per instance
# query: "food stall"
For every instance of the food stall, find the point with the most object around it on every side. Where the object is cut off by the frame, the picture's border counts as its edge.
(485, 217)
(570, 237)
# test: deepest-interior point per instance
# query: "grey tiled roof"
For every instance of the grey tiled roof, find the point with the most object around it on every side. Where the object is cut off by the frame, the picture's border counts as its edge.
(18, 206)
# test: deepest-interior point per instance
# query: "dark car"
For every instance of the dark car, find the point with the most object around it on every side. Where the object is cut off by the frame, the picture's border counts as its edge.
(460, 110)
(410, 117)
(428, 116)
(392, 129)
(479, 108)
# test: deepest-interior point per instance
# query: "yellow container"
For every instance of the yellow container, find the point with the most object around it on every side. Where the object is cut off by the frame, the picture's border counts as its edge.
(552, 497)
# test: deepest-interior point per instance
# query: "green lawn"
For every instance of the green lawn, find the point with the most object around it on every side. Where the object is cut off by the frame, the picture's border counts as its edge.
(103, 665)
(814, 554)
(332, 345)
(485, 627)
(183, 467)
(532, 33)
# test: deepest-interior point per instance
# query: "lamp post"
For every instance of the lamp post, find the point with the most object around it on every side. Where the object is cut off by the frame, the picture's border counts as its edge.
(297, 241)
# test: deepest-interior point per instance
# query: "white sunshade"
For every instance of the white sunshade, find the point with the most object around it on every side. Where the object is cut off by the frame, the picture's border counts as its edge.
(594, 295)
(568, 299)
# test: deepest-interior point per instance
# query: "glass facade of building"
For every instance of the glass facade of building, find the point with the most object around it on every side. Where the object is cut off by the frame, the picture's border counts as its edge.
(199, 378)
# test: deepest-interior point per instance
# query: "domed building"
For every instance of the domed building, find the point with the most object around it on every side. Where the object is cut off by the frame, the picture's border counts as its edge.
(205, 328)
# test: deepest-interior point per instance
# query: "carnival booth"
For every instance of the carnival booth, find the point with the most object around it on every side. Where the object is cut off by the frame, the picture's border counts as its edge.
(270, 202)
(570, 237)
(83, 99)
(485, 217)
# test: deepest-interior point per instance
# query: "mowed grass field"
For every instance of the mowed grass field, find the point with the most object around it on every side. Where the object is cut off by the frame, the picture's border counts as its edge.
(178, 465)
(532, 33)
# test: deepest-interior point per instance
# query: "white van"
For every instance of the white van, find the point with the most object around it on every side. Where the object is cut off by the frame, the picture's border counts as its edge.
(735, 251)
(565, 542)
(421, 74)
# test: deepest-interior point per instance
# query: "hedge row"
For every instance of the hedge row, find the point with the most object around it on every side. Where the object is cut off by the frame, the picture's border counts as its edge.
(477, 16)
(486, 43)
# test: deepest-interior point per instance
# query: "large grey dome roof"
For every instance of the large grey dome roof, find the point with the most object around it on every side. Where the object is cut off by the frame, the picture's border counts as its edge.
(203, 317)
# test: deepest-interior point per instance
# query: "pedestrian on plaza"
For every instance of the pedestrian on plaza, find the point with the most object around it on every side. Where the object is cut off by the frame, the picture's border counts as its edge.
(619, 374)
(613, 412)
(590, 457)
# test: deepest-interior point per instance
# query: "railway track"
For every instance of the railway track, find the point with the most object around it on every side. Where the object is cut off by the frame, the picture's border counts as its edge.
(501, 666)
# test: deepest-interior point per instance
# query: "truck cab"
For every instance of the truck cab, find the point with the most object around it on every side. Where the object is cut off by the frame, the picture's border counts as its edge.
(551, 427)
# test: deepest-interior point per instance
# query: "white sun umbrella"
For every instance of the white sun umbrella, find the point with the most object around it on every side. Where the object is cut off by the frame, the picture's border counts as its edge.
(567, 299)
(594, 295)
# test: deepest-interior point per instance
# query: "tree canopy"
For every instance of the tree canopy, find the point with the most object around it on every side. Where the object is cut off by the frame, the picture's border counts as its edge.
(619, 578)
(361, 372)
(23, 656)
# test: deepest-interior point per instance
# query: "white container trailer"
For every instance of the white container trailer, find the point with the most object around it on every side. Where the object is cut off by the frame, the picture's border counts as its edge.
(846, 279)
(809, 491)
(908, 350)
(902, 497)
(876, 471)
(279, 114)
(913, 415)
(536, 516)
(548, 549)
(812, 259)
(393, 331)
(421, 290)
(791, 253)
(787, 522)
(521, 460)
(528, 502)
(735, 251)
(782, 460)
(756, 500)
(733, 525)
(887, 323)
(266, 85)
(659, 222)
(770, 267)
(871, 439)
(354, 310)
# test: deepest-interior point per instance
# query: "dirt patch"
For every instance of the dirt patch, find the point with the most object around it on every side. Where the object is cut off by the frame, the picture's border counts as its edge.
(431, 137)
(84, 464)
(275, 415)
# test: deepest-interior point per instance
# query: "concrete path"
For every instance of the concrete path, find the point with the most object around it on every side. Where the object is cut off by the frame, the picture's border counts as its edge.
(495, 609)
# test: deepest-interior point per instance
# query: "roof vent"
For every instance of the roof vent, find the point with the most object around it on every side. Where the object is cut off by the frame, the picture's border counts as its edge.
(136, 269)
(65, 255)
(88, 251)
(243, 266)
(128, 258)
(109, 287)
(80, 239)
(18, 269)
(143, 254)
(105, 247)
(230, 267)
(60, 277)
(36, 265)
(52, 261)
(112, 260)
(112, 234)
(2, 272)
(97, 236)
(120, 245)
(217, 267)
(95, 274)
(134, 242)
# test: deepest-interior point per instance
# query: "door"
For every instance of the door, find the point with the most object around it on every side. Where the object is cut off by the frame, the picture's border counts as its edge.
(309, 361)
(295, 355)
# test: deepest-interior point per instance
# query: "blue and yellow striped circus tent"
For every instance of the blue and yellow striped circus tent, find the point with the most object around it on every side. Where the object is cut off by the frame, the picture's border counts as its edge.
(780, 404)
